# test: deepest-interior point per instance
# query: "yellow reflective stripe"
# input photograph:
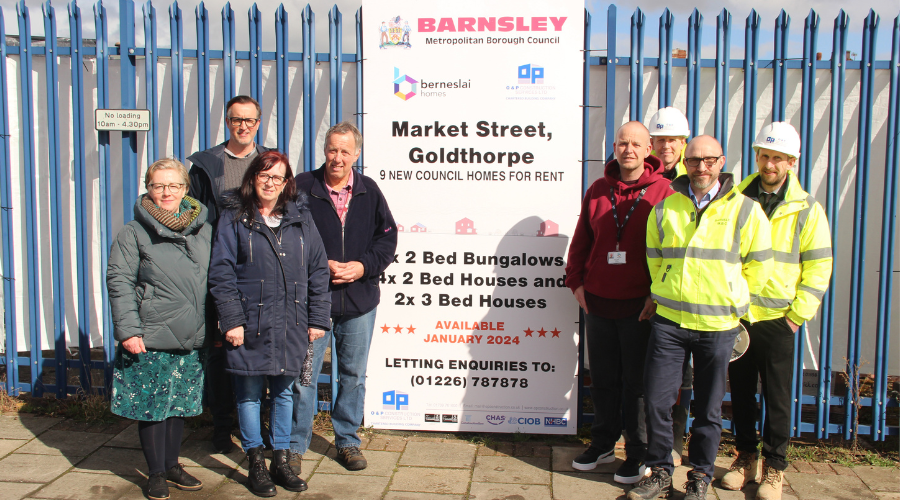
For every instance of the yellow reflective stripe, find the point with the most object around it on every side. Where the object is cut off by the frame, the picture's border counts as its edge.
(815, 292)
(659, 221)
(771, 302)
(701, 309)
(654, 253)
(700, 254)
(816, 254)
(743, 217)
(801, 221)
(758, 256)
(786, 257)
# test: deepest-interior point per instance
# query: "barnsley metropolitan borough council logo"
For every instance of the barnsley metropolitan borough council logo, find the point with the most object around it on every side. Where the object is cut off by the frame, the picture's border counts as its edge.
(394, 33)
(405, 86)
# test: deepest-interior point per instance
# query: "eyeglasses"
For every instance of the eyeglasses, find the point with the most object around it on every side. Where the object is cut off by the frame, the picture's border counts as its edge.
(263, 178)
(159, 188)
(236, 122)
(695, 162)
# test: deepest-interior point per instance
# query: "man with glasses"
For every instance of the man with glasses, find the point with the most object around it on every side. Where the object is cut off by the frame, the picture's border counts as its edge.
(213, 172)
(360, 239)
(709, 250)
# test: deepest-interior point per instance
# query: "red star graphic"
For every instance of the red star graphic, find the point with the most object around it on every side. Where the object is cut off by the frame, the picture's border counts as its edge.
(398, 329)
(542, 332)
(411, 329)
(555, 332)
(385, 329)
(528, 332)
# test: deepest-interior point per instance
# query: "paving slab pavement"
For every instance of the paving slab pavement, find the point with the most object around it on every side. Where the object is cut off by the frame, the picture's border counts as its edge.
(46, 458)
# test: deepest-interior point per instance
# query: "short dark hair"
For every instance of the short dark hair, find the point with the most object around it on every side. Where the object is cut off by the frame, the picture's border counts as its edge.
(247, 191)
(243, 99)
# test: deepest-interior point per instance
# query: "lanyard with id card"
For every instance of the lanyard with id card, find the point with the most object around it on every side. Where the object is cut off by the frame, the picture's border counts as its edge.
(618, 258)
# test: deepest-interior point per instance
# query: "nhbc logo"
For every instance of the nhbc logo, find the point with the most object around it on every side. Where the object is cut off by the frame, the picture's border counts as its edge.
(555, 422)
(405, 86)
(531, 74)
(395, 400)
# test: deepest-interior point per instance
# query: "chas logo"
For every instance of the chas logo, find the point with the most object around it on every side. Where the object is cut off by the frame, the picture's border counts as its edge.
(555, 422)
(495, 419)
(531, 74)
(405, 86)
(395, 400)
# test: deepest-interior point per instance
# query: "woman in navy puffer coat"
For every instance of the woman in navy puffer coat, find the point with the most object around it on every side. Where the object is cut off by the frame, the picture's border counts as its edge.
(269, 280)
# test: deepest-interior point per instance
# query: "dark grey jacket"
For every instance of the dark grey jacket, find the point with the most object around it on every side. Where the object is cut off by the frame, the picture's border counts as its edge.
(207, 171)
(157, 282)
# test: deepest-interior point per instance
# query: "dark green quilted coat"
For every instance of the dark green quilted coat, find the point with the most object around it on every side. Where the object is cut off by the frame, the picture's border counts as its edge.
(157, 281)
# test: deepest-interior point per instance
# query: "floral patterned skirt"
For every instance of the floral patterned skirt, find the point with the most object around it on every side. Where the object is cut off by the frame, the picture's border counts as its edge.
(156, 385)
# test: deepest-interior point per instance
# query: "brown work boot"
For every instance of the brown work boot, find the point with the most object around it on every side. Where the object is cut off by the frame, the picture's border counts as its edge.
(351, 458)
(744, 469)
(771, 483)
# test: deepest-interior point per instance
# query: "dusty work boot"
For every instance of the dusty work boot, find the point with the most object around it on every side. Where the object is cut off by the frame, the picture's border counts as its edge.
(351, 458)
(744, 469)
(258, 478)
(771, 483)
(657, 484)
(696, 486)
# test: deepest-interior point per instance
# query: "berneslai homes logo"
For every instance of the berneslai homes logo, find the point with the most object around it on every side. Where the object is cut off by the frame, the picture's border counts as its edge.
(529, 86)
(394, 33)
(406, 86)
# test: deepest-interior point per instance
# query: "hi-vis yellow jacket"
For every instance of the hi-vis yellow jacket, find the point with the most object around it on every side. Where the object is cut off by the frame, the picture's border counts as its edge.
(801, 241)
(706, 267)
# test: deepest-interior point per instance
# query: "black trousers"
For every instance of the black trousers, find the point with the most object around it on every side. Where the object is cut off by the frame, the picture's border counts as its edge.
(669, 346)
(770, 359)
(219, 390)
(616, 350)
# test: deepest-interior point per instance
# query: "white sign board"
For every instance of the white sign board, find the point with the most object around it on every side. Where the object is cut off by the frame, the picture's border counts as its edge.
(126, 120)
(473, 131)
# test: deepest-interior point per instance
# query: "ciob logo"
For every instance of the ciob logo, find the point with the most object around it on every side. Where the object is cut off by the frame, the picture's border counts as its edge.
(524, 420)
(531, 74)
(495, 419)
(395, 400)
(405, 86)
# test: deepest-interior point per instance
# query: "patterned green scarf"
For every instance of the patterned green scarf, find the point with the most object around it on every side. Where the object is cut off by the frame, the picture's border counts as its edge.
(188, 210)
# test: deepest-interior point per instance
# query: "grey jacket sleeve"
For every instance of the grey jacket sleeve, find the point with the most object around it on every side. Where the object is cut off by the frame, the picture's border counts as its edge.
(121, 280)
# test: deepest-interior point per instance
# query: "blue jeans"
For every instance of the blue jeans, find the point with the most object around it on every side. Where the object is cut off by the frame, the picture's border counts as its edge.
(248, 391)
(669, 346)
(352, 336)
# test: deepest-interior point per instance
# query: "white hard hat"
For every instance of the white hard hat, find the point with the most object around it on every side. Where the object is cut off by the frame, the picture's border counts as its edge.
(779, 136)
(669, 122)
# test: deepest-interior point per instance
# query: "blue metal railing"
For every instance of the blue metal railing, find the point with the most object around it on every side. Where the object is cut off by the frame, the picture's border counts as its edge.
(51, 292)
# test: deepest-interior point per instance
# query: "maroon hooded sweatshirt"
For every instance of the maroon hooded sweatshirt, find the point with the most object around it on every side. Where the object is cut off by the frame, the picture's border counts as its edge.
(615, 291)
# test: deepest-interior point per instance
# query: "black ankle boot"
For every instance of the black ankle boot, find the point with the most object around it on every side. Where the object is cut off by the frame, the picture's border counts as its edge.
(260, 482)
(283, 474)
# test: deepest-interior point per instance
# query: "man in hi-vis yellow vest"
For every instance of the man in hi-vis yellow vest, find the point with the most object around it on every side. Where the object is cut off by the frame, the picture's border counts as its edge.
(709, 250)
(801, 241)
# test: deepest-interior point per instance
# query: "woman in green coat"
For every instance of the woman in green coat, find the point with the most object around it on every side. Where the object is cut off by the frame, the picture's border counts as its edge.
(156, 277)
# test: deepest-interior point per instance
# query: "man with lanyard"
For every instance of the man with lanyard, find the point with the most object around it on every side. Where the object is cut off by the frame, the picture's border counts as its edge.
(607, 272)
(801, 241)
(669, 130)
(360, 238)
(709, 251)
(213, 172)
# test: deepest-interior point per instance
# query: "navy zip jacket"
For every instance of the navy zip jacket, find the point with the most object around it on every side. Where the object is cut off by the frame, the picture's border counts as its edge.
(369, 236)
(274, 283)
